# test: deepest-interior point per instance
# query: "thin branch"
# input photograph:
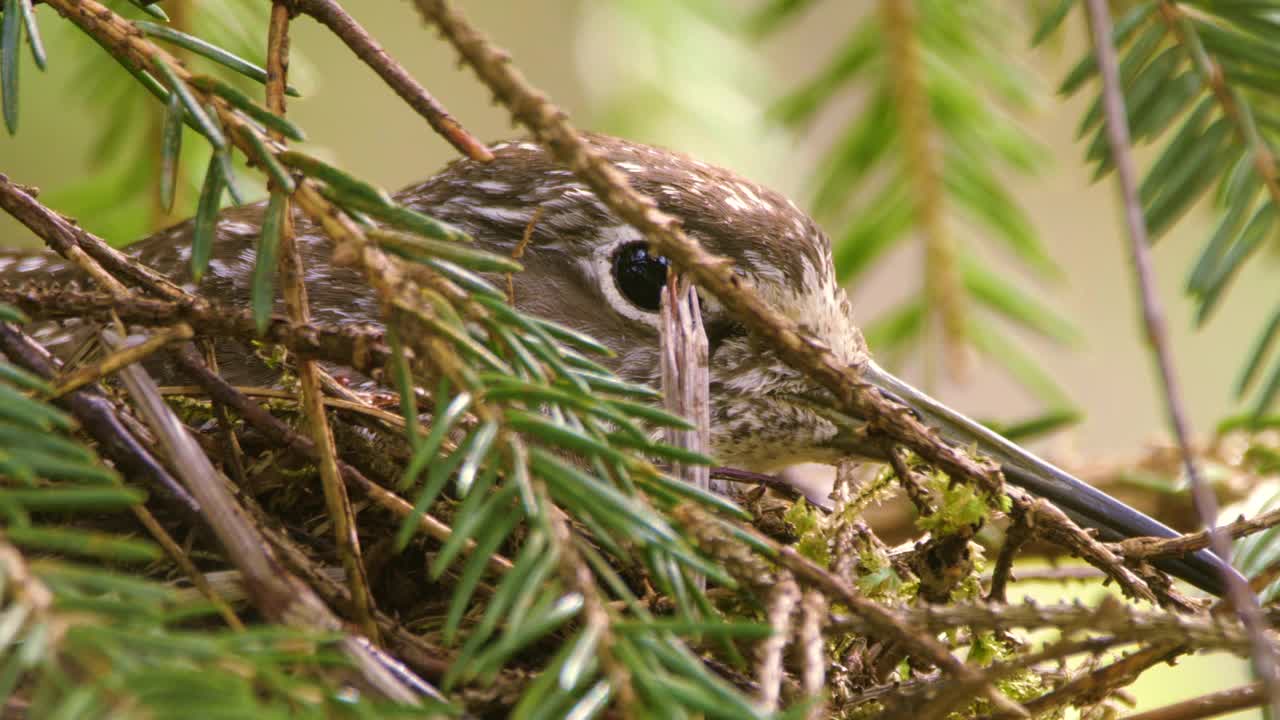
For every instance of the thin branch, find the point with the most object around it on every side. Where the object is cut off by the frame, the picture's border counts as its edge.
(1154, 547)
(359, 41)
(1055, 575)
(231, 449)
(1123, 622)
(782, 603)
(113, 362)
(1017, 536)
(1051, 523)
(280, 433)
(74, 243)
(813, 651)
(883, 621)
(1244, 601)
(292, 274)
(1210, 705)
(359, 347)
(773, 482)
(1106, 679)
(99, 418)
(278, 594)
(20, 202)
(394, 420)
(188, 568)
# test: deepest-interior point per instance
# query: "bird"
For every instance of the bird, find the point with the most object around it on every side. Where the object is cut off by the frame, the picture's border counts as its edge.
(587, 269)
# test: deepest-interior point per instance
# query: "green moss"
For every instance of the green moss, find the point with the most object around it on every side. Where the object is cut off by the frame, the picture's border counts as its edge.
(962, 507)
(807, 521)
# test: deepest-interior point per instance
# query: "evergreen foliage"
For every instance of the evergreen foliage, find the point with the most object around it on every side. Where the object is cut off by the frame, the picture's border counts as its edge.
(527, 550)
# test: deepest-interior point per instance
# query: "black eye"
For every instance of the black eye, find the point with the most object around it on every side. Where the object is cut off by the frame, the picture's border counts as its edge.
(640, 276)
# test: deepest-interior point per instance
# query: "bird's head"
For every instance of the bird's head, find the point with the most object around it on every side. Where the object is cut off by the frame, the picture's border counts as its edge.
(588, 269)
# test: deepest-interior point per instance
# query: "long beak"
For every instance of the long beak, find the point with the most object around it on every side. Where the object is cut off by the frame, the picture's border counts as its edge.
(1085, 504)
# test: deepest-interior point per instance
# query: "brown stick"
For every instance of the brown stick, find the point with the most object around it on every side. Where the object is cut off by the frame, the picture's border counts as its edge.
(1117, 127)
(1215, 703)
(294, 287)
(359, 41)
(360, 348)
(1106, 679)
(1153, 547)
(103, 262)
(98, 416)
(113, 362)
(277, 593)
(280, 433)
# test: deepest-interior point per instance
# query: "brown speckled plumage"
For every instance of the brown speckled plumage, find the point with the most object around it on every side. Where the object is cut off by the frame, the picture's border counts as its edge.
(567, 275)
(762, 413)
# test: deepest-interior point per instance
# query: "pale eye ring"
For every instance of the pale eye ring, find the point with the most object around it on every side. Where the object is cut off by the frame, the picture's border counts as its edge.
(640, 275)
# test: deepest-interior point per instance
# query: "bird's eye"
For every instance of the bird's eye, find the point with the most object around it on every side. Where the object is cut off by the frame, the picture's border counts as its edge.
(640, 276)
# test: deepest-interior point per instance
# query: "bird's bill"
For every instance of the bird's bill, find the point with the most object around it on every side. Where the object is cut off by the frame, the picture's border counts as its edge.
(1084, 503)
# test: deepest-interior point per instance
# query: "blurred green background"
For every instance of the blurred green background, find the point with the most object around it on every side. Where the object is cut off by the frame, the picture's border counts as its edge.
(657, 71)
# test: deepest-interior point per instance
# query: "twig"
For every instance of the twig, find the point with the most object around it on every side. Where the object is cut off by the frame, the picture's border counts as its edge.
(292, 274)
(77, 245)
(113, 362)
(773, 482)
(230, 441)
(1245, 602)
(360, 348)
(331, 15)
(279, 595)
(1055, 574)
(1096, 685)
(395, 420)
(57, 232)
(1209, 705)
(98, 416)
(1053, 524)
(1264, 577)
(1122, 622)
(1155, 547)
(188, 568)
(783, 600)
(280, 433)
(1018, 534)
(813, 651)
(881, 620)
(1059, 651)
